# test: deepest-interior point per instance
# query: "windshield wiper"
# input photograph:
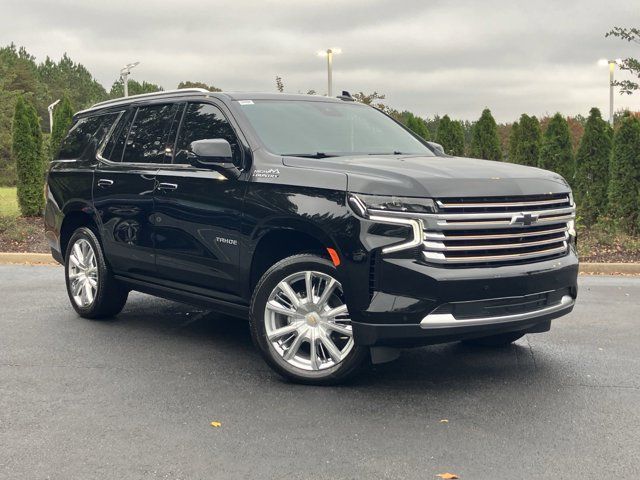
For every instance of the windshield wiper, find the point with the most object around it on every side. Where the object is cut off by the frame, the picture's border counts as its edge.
(395, 152)
(310, 155)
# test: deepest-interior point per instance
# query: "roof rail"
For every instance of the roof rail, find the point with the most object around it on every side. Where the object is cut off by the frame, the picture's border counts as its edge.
(148, 95)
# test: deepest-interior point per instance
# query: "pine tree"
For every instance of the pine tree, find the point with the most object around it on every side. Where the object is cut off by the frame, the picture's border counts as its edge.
(624, 184)
(450, 134)
(485, 142)
(417, 126)
(514, 138)
(529, 139)
(27, 152)
(62, 120)
(592, 168)
(556, 153)
(458, 139)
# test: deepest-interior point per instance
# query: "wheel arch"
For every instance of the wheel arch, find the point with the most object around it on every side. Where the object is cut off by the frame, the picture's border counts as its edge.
(76, 216)
(283, 238)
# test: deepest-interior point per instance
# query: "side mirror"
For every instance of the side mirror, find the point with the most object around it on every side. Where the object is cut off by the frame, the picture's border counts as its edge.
(214, 154)
(437, 147)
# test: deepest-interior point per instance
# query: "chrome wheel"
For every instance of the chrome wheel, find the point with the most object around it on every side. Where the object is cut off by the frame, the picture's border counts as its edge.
(307, 322)
(83, 273)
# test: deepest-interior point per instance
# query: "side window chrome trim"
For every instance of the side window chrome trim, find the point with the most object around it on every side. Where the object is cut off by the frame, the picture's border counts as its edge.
(107, 137)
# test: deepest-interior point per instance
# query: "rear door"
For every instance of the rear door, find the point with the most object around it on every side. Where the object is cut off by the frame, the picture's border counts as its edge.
(197, 210)
(123, 187)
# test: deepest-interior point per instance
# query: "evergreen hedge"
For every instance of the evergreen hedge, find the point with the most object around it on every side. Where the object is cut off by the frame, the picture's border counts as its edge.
(27, 152)
(514, 138)
(529, 139)
(450, 135)
(485, 142)
(62, 120)
(624, 183)
(556, 153)
(592, 168)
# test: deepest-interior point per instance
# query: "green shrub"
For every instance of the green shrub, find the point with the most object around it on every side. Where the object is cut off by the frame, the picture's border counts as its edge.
(592, 168)
(485, 142)
(514, 139)
(556, 153)
(529, 139)
(62, 120)
(450, 135)
(624, 184)
(417, 126)
(27, 151)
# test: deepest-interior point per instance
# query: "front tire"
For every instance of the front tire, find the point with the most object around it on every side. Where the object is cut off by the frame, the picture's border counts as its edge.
(93, 291)
(300, 322)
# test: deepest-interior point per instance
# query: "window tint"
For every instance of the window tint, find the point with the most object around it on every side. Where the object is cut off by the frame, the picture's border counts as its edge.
(86, 132)
(115, 145)
(147, 138)
(204, 121)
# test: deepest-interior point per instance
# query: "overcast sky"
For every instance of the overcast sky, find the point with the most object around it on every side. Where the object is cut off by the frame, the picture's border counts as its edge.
(428, 56)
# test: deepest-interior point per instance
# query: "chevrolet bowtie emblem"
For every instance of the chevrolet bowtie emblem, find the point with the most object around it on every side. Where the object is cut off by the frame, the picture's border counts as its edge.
(524, 219)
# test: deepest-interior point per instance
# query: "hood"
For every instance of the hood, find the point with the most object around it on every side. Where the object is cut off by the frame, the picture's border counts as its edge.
(418, 176)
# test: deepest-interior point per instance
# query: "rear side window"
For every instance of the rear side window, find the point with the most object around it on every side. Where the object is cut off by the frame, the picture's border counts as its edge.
(85, 136)
(147, 140)
(115, 145)
(205, 121)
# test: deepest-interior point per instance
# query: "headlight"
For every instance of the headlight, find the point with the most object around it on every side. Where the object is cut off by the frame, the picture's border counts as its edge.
(394, 211)
(383, 204)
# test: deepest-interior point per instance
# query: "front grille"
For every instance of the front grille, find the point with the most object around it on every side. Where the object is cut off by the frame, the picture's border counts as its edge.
(497, 230)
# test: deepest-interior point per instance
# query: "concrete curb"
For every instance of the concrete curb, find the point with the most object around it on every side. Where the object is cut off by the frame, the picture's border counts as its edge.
(21, 258)
(610, 268)
(7, 258)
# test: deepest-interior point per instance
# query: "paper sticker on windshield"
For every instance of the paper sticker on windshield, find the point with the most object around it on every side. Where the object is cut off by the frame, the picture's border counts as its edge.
(245, 102)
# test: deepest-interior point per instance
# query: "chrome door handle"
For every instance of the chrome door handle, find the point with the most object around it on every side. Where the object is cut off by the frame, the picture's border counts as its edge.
(167, 186)
(105, 182)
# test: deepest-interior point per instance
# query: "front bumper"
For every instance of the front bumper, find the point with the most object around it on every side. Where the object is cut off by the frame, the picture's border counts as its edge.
(417, 304)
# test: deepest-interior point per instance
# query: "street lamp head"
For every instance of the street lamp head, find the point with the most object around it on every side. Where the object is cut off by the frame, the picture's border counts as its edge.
(332, 51)
(127, 68)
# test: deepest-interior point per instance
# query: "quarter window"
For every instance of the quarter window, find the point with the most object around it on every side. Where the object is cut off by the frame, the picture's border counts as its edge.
(147, 140)
(115, 145)
(204, 121)
(86, 132)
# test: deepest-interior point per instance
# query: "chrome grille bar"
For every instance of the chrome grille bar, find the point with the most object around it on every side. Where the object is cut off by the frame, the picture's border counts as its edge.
(492, 236)
(439, 246)
(438, 257)
(497, 230)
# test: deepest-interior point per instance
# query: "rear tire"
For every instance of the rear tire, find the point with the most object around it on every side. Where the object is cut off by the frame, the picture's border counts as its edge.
(93, 291)
(496, 341)
(300, 323)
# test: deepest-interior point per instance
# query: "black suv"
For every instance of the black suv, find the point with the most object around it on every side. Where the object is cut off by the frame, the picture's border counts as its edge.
(340, 234)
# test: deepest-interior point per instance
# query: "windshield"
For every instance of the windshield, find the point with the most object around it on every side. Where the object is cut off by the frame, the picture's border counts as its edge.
(321, 129)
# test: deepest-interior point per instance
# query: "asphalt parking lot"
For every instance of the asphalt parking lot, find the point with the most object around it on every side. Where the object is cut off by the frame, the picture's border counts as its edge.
(134, 398)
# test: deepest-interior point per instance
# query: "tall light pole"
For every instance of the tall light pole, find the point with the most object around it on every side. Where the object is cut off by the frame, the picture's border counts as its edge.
(50, 109)
(612, 66)
(124, 75)
(329, 53)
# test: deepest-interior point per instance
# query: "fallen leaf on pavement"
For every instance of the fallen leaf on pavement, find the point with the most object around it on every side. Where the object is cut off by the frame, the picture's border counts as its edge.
(448, 476)
(218, 424)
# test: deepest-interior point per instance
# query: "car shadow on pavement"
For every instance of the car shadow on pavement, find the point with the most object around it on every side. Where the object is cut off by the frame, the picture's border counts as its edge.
(437, 367)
